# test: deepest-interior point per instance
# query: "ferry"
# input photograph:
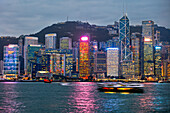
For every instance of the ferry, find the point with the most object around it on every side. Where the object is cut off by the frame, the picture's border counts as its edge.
(121, 87)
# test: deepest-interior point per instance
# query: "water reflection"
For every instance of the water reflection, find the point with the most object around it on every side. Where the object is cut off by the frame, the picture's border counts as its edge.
(83, 97)
(8, 98)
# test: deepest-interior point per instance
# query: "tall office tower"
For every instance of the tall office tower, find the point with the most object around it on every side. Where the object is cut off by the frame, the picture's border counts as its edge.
(125, 54)
(166, 62)
(31, 49)
(115, 42)
(65, 43)
(148, 37)
(100, 67)
(93, 50)
(136, 49)
(112, 61)
(50, 41)
(84, 62)
(158, 62)
(102, 46)
(11, 61)
(20, 44)
(28, 41)
(157, 38)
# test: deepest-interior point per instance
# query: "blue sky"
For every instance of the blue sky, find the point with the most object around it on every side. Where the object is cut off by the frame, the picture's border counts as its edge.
(30, 16)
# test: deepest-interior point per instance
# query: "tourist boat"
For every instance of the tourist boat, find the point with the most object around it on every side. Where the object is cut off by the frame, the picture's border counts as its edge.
(47, 81)
(121, 87)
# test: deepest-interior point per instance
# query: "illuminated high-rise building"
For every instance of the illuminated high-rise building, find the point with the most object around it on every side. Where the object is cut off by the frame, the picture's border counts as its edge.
(102, 46)
(136, 49)
(110, 44)
(31, 49)
(112, 61)
(158, 62)
(28, 41)
(65, 43)
(66, 58)
(157, 38)
(84, 61)
(148, 37)
(50, 41)
(11, 61)
(125, 53)
(100, 66)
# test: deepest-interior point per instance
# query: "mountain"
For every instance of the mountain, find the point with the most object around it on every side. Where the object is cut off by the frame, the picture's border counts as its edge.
(74, 29)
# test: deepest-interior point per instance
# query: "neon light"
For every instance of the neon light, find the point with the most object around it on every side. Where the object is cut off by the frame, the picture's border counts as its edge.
(147, 40)
(157, 47)
(84, 38)
(112, 48)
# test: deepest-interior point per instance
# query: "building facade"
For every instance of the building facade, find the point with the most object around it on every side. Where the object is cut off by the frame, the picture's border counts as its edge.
(28, 41)
(50, 41)
(84, 61)
(65, 43)
(11, 61)
(112, 61)
(148, 37)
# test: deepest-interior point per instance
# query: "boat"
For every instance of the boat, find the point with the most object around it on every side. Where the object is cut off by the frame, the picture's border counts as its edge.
(47, 81)
(121, 87)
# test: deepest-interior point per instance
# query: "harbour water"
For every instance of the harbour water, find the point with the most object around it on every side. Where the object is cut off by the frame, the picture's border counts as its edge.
(39, 97)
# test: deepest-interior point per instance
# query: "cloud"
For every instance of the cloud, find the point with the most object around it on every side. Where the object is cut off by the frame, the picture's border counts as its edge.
(30, 16)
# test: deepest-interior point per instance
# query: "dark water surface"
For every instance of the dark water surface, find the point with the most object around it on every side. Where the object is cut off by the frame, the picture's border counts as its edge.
(82, 98)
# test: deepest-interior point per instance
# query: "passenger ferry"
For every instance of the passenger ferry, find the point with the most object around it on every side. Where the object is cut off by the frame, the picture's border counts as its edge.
(121, 87)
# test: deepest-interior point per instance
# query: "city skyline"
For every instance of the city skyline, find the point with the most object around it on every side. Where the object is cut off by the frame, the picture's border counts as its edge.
(30, 17)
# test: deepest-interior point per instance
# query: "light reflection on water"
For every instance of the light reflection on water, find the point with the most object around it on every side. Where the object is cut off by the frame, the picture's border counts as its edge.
(8, 98)
(82, 97)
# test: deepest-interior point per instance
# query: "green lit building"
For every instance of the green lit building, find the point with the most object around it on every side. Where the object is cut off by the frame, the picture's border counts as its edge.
(158, 62)
(148, 37)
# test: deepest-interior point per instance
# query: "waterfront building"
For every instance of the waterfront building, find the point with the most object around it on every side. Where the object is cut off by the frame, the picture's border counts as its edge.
(102, 46)
(66, 60)
(28, 41)
(100, 66)
(31, 49)
(112, 61)
(148, 37)
(136, 49)
(65, 43)
(11, 61)
(84, 62)
(125, 53)
(50, 40)
(158, 62)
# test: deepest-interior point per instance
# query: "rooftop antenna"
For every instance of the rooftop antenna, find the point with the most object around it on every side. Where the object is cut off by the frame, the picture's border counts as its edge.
(67, 18)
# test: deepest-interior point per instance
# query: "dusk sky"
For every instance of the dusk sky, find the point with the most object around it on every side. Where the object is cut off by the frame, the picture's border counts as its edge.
(30, 16)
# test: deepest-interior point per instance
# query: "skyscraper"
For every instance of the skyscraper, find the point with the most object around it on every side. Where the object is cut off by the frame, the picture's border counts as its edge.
(28, 41)
(65, 43)
(112, 61)
(11, 61)
(50, 41)
(158, 62)
(84, 62)
(136, 49)
(148, 37)
(125, 54)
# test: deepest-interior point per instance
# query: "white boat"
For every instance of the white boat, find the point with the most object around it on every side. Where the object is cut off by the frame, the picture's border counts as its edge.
(120, 87)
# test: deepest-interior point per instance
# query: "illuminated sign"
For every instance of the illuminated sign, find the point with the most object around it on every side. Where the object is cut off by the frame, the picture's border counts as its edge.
(10, 52)
(53, 34)
(33, 38)
(84, 38)
(112, 48)
(147, 40)
(157, 47)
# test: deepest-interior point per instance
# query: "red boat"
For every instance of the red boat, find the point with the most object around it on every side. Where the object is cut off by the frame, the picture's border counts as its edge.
(47, 81)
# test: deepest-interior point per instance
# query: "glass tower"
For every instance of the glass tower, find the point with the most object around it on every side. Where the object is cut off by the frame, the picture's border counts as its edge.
(50, 41)
(148, 37)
